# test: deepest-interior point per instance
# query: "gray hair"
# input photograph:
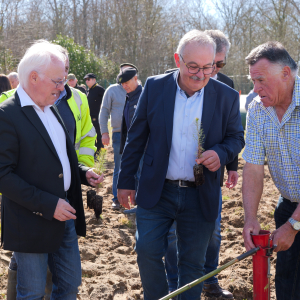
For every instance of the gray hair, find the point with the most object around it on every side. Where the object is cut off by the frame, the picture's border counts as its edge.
(13, 75)
(222, 42)
(38, 58)
(275, 53)
(195, 36)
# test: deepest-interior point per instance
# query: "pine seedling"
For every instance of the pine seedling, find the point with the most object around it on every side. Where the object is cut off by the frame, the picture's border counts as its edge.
(99, 166)
(199, 136)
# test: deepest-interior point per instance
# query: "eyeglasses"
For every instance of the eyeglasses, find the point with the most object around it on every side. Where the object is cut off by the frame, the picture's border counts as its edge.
(220, 64)
(88, 79)
(57, 83)
(195, 70)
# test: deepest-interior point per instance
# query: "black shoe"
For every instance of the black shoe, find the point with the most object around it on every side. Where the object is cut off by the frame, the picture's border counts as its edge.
(213, 290)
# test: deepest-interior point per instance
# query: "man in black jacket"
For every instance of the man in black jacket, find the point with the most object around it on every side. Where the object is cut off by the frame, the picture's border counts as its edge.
(95, 95)
(42, 209)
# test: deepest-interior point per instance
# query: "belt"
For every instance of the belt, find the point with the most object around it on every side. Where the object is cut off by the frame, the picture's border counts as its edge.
(182, 183)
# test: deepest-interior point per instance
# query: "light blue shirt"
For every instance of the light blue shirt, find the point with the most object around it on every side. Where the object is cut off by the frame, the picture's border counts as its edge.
(184, 137)
(61, 95)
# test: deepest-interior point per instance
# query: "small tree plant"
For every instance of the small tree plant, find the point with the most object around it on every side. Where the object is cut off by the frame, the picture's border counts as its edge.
(198, 169)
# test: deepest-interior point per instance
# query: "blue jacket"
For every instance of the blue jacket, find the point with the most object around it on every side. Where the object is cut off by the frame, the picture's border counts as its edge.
(153, 120)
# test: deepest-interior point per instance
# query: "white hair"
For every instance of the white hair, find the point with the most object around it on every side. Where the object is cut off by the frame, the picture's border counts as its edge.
(195, 36)
(13, 75)
(38, 58)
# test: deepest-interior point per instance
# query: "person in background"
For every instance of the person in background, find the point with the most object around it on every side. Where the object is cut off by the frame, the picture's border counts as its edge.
(5, 84)
(6, 89)
(113, 105)
(95, 95)
(72, 82)
(14, 79)
(272, 133)
(249, 98)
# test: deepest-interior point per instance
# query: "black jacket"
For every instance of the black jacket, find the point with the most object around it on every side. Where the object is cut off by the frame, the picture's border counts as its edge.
(95, 95)
(133, 99)
(81, 89)
(31, 181)
(232, 166)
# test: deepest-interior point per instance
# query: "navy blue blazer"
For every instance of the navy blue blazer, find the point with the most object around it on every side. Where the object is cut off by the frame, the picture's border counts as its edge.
(153, 120)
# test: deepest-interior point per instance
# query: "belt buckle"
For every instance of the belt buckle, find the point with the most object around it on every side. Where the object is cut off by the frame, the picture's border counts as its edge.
(180, 185)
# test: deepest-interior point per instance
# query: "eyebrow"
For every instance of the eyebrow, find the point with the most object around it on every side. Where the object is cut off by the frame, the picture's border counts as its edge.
(192, 62)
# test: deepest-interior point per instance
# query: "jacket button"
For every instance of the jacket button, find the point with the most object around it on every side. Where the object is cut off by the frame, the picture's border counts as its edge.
(61, 175)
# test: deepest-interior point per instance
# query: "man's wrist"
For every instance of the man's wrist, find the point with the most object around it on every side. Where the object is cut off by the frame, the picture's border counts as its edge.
(105, 133)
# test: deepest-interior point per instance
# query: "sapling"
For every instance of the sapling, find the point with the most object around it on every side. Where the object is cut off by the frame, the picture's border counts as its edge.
(198, 169)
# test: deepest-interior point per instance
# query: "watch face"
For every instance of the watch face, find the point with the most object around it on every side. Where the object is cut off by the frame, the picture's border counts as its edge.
(297, 226)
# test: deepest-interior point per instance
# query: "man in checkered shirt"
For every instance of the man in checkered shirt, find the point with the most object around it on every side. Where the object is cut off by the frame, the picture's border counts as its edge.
(273, 131)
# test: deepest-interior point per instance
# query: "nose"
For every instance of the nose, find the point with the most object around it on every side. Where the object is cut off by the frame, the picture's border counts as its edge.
(256, 88)
(61, 87)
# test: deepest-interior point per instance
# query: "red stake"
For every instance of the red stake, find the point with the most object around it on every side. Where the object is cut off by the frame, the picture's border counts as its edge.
(261, 265)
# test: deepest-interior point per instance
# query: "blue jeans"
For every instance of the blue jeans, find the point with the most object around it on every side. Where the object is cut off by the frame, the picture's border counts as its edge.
(287, 278)
(212, 254)
(193, 234)
(171, 259)
(116, 141)
(64, 265)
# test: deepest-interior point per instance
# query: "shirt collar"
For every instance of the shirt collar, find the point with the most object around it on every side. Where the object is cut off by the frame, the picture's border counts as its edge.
(215, 76)
(181, 91)
(25, 100)
(62, 94)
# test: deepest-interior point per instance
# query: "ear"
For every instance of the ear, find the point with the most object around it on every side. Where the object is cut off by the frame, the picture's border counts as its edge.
(177, 59)
(286, 73)
(33, 76)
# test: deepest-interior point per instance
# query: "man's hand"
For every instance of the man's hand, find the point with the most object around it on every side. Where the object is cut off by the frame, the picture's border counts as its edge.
(64, 211)
(93, 178)
(210, 160)
(105, 138)
(123, 197)
(232, 179)
(283, 237)
(251, 226)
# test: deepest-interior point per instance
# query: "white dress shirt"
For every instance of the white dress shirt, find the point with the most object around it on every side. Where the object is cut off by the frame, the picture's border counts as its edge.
(55, 131)
(184, 137)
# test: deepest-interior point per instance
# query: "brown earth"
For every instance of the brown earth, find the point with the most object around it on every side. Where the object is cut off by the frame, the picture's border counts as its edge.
(109, 268)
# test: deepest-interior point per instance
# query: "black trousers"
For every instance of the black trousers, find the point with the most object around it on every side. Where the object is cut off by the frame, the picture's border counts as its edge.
(98, 142)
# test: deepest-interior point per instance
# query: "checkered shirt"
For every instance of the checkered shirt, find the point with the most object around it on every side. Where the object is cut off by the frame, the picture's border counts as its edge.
(279, 142)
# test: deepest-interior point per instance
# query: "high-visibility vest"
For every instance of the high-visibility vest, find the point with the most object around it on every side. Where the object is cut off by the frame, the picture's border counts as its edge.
(85, 131)
(6, 95)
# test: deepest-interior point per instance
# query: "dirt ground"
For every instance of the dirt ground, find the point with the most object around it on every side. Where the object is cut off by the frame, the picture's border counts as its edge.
(109, 268)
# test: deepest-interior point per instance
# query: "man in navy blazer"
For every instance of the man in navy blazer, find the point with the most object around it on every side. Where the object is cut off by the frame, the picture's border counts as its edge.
(165, 122)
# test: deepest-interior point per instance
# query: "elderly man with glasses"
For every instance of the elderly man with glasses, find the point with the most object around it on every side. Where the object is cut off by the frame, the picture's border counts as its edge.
(40, 180)
(211, 286)
(165, 121)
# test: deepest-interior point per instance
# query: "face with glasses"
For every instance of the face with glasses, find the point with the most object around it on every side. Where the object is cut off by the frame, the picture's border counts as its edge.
(45, 88)
(196, 67)
(220, 62)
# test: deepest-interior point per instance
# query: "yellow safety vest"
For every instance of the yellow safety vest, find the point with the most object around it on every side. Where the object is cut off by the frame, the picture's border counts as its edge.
(85, 131)
(6, 95)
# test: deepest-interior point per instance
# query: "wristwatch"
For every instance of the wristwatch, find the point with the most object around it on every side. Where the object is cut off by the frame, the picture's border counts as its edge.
(295, 224)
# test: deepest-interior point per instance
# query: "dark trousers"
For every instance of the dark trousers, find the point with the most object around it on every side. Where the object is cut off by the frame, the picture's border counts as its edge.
(287, 278)
(98, 142)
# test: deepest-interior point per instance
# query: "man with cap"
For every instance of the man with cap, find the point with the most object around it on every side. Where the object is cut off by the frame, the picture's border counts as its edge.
(72, 82)
(95, 95)
(113, 105)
